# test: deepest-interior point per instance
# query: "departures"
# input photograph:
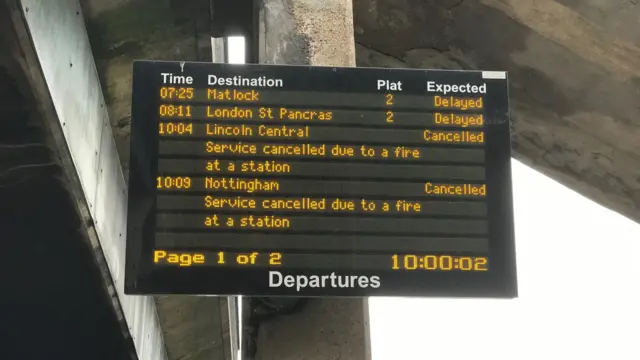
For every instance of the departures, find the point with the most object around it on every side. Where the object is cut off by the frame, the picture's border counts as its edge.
(245, 174)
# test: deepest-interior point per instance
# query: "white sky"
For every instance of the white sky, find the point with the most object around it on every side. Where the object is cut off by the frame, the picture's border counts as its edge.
(235, 45)
(579, 291)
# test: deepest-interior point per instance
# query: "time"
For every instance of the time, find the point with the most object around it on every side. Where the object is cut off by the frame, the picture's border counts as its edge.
(439, 262)
(173, 182)
(175, 110)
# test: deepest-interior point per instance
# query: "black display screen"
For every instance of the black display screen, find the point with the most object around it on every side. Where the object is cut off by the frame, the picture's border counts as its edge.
(270, 180)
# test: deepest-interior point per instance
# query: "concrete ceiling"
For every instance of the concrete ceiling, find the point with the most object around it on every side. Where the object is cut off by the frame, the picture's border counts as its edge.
(574, 75)
(574, 68)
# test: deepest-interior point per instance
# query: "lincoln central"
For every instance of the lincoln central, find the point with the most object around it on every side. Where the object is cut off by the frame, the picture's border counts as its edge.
(260, 130)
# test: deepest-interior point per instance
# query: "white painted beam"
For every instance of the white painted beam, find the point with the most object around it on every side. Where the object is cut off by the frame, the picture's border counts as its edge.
(54, 31)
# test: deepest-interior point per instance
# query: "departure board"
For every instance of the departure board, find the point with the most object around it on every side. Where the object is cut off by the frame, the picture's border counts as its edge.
(270, 180)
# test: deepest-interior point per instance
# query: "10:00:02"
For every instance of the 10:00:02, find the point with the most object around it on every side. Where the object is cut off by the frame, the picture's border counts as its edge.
(439, 262)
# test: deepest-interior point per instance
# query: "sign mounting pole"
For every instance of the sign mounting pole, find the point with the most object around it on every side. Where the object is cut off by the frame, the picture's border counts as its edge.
(220, 54)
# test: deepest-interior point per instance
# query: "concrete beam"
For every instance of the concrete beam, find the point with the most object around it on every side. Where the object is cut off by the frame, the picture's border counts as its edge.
(574, 75)
(61, 70)
(312, 32)
(306, 32)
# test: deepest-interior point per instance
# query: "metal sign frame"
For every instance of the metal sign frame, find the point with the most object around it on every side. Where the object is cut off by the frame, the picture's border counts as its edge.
(349, 89)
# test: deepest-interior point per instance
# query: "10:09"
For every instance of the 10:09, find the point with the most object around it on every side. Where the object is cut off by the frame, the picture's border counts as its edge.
(439, 262)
